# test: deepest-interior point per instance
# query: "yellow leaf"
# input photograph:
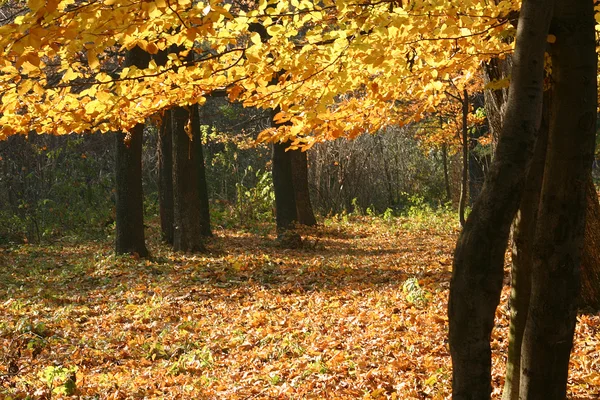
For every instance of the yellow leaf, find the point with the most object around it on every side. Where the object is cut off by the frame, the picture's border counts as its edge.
(92, 59)
(151, 48)
(70, 75)
(35, 5)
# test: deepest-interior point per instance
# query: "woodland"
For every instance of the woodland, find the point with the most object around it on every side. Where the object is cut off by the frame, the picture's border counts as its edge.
(290, 199)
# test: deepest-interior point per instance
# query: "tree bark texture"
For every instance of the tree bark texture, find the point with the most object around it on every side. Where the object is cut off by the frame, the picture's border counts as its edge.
(523, 232)
(590, 259)
(558, 242)
(130, 201)
(479, 256)
(165, 178)
(285, 200)
(304, 210)
(202, 185)
(128, 177)
(187, 234)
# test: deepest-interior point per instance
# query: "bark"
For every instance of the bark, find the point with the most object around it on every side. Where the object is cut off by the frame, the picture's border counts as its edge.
(523, 232)
(304, 210)
(285, 201)
(128, 176)
(165, 178)
(590, 260)
(205, 228)
(462, 202)
(479, 256)
(186, 195)
(129, 197)
(548, 337)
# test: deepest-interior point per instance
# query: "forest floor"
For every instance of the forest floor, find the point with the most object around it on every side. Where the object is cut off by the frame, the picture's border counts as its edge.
(358, 313)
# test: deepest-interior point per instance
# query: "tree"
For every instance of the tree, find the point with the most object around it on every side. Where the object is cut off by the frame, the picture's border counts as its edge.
(129, 197)
(304, 211)
(478, 261)
(165, 178)
(548, 336)
(205, 228)
(187, 235)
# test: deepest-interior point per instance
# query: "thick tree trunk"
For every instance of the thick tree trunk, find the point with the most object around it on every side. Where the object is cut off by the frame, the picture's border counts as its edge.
(285, 200)
(128, 177)
(590, 259)
(548, 336)
(462, 202)
(304, 210)
(522, 256)
(479, 257)
(202, 186)
(165, 178)
(130, 201)
(186, 195)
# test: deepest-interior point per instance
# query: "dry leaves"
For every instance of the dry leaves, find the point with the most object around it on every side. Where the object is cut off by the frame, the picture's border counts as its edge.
(359, 313)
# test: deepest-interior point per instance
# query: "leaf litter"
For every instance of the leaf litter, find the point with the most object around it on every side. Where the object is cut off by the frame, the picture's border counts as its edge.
(358, 313)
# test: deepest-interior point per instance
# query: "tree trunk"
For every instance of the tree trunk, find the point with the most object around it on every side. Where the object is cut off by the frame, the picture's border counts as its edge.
(128, 177)
(479, 256)
(548, 336)
(165, 178)
(186, 195)
(304, 210)
(202, 186)
(590, 259)
(285, 201)
(523, 232)
(462, 202)
(446, 175)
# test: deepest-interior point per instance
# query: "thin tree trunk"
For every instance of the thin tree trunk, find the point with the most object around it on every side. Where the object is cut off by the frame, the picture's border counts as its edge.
(202, 186)
(479, 256)
(462, 202)
(128, 176)
(186, 197)
(446, 176)
(165, 178)
(304, 210)
(523, 232)
(548, 337)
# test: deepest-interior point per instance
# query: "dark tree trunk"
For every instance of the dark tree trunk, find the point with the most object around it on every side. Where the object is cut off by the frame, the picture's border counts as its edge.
(555, 284)
(304, 210)
(186, 195)
(590, 259)
(285, 200)
(202, 186)
(462, 202)
(522, 256)
(165, 178)
(130, 201)
(128, 177)
(479, 256)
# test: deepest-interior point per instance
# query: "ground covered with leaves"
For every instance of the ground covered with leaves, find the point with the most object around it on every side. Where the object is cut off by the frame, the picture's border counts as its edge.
(358, 312)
